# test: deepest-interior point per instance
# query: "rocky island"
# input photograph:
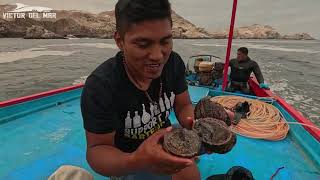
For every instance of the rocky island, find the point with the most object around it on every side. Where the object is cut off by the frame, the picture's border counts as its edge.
(257, 31)
(79, 24)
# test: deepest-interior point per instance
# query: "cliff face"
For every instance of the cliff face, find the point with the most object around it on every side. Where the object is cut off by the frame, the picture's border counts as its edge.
(257, 31)
(83, 24)
(182, 28)
(299, 36)
(39, 32)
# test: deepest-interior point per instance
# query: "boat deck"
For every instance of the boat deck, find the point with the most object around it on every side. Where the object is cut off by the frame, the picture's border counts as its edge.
(48, 133)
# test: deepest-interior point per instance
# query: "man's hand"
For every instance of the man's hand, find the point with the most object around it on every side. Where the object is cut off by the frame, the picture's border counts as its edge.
(264, 86)
(184, 110)
(152, 157)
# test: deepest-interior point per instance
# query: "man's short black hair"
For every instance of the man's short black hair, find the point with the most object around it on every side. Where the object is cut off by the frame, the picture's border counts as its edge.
(244, 50)
(130, 12)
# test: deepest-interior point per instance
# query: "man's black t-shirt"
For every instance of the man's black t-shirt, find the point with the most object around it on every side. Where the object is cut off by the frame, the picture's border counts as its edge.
(110, 102)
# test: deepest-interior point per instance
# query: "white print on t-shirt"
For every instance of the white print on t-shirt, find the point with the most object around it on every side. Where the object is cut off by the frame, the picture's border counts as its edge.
(145, 116)
(136, 120)
(152, 109)
(156, 109)
(167, 101)
(172, 97)
(128, 121)
(148, 123)
(161, 103)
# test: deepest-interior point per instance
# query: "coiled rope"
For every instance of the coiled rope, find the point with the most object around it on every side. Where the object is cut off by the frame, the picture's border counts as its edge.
(264, 121)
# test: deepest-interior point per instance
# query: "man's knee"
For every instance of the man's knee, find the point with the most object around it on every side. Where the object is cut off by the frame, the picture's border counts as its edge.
(68, 172)
(191, 172)
(230, 89)
(246, 90)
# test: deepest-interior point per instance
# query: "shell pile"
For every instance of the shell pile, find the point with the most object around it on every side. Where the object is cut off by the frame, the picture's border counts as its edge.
(211, 131)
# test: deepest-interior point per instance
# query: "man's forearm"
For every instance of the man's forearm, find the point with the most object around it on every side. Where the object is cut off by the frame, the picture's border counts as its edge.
(185, 116)
(109, 161)
(257, 72)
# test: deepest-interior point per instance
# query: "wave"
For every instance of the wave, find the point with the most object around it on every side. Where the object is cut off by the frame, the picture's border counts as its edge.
(6, 57)
(280, 85)
(80, 80)
(96, 45)
(300, 61)
(265, 47)
(298, 98)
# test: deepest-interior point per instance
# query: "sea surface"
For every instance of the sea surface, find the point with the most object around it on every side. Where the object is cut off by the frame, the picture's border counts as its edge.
(292, 68)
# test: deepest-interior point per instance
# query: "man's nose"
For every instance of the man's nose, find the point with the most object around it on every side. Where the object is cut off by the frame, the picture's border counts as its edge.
(156, 53)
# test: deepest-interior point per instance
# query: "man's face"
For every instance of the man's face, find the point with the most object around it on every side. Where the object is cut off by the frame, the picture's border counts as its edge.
(241, 56)
(147, 46)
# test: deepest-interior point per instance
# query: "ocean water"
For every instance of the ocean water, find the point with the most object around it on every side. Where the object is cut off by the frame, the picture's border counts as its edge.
(292, 68)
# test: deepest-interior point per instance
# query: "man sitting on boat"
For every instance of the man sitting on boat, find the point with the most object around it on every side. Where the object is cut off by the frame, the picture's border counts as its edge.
(241, 69)
(126, 101)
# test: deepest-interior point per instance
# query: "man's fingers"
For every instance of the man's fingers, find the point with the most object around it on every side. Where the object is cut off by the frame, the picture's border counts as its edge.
(230, 114)
(172, 160)
(195, 158)
(190, 121)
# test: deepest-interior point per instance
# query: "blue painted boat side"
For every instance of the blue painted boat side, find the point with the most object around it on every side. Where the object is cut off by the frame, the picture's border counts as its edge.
(19, 110)
(46, 134)
(36, 144)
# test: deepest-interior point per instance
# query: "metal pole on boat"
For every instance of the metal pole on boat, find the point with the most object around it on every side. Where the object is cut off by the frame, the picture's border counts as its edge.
(226, 66)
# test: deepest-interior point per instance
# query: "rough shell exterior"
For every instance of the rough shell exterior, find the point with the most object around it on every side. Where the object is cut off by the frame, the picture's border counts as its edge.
(206, 108)
(215, 134)
(182, 142)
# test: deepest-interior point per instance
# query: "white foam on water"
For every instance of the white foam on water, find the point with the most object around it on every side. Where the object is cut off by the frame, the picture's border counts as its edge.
(313, 116)
(308, 100)
(80, 80)
(260, 46)
(289, 101)
(6, 57)
(279, 85)
(96, 45)
(297, 97)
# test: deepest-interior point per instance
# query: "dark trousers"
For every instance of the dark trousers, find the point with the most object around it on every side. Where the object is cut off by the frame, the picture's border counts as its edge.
(243, 87)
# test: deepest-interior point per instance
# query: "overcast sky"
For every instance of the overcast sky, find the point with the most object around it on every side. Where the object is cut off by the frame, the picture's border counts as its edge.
(288, 16)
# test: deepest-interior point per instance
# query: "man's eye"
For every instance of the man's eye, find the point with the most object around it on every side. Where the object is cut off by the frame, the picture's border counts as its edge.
(165, 42)
(143, 45)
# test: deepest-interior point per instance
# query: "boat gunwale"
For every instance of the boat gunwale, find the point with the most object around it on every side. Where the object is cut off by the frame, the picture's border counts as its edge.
(36, 96)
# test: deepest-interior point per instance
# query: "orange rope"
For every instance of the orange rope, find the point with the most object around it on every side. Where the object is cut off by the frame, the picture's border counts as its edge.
(263, 122)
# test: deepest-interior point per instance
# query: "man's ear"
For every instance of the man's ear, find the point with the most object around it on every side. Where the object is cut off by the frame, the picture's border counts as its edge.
(118, 40)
